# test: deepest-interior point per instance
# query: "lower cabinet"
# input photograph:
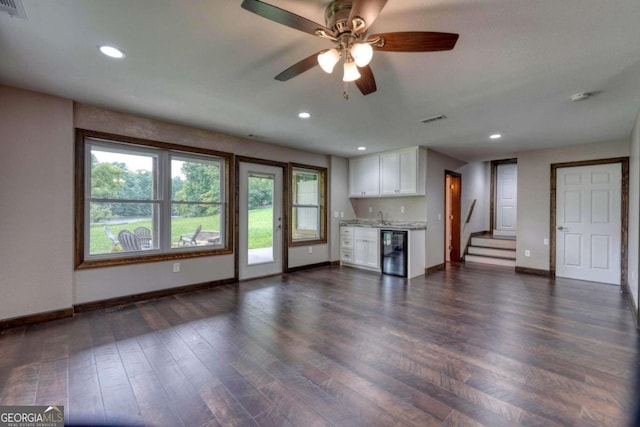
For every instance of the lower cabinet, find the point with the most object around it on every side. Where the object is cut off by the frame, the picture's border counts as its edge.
(360, 246)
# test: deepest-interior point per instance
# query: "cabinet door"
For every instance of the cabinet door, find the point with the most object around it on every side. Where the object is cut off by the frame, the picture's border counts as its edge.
(367, 248)
(360, 251)
(364, 176)
(389, 173)
(408, 171)
(373, 254)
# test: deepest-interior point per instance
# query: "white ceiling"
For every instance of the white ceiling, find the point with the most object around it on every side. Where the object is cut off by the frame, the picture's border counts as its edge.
(210, 64)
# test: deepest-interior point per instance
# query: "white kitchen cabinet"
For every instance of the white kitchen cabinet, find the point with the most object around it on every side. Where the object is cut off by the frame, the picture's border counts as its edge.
(399, 173)
(360, 246)
(346, 245)
(364, 176)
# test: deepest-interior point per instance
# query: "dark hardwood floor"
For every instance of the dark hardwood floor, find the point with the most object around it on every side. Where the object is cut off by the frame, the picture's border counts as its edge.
(469, 346)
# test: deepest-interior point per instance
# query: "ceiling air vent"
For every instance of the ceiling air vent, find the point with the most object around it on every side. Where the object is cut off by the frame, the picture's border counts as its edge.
(434, 118)
(13, 8)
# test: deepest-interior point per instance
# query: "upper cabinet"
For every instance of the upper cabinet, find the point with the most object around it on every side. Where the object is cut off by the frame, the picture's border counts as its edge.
(394, 173)
(399, 172)
(364, 176)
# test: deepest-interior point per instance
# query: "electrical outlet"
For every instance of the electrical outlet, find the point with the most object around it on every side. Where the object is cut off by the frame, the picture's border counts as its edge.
(401, 209)
(341, 214)
(336, 214)
(370, 209)
(527, 252)
(439, 217)
(176, 267)
(310, 249)
(545, 242)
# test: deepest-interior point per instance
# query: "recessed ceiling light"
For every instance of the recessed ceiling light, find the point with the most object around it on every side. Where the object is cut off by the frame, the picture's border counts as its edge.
(362, 148)
(580, 96)
(495, 136)
(112, 52)
(304, 115)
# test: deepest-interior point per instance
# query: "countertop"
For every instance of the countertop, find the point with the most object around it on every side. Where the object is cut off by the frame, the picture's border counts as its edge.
(387, 225)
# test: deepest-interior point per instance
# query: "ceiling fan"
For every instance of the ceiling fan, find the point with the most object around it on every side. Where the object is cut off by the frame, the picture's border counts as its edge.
(347, 23)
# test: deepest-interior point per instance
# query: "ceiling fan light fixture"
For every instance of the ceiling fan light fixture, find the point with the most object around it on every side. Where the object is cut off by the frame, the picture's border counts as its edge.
(362, 54)
(351, 72)
(327, 60)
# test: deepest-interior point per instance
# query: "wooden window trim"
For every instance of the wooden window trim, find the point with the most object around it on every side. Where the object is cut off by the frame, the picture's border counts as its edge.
(79, 201)
(323, 205)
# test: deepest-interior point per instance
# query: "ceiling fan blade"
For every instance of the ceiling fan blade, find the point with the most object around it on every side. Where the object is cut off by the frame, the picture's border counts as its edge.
(416, 41)
(367, 10)
(366, 83)
(299, 67)
(283, 17)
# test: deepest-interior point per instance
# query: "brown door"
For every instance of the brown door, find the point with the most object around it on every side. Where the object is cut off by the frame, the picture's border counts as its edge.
(452, 223)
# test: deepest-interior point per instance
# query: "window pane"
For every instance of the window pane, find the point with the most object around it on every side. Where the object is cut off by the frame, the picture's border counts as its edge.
(261, 220)
(195, 180)
(195, 225)
(117, 174)
(111, 234)
(305, 188)
(306, 222)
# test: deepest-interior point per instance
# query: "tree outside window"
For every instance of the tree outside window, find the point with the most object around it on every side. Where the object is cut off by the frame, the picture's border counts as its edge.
(143, 200)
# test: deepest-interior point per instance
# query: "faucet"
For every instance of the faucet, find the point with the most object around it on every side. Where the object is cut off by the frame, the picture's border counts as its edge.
(381, 215)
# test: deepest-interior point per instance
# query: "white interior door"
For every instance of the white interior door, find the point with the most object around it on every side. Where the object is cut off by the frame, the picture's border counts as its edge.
(260, 220)
(588, 224)
(506, 199)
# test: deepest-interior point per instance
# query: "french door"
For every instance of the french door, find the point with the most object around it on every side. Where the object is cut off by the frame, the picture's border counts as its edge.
(260, 231)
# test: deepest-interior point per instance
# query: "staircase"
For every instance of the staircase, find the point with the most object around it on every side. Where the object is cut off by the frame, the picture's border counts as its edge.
(494, 250)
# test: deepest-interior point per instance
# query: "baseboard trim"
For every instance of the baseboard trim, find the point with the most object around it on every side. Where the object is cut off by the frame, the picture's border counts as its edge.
(312, 266)
(31, 319)
(335, 263)
(632, 304)
(534, 271)
(434, 269)
(129, 299)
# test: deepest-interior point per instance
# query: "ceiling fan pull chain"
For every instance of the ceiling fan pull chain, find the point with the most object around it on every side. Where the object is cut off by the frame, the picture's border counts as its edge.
(345, 93)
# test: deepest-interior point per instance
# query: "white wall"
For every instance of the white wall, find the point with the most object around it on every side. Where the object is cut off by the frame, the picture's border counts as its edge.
(338, 202)
(436, 165)
(36, 203)
(476, 185)
(534, 201)
(634, 210)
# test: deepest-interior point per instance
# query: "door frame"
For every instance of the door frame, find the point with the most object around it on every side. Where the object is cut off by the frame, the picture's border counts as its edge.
(494, 190)
(624, 213)
(285, 212)
(456, 207)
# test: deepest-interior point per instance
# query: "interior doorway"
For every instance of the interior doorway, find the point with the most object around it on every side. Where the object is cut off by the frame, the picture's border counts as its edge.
(589, 220)
(260, 220)
(504, 197)
(452, 216)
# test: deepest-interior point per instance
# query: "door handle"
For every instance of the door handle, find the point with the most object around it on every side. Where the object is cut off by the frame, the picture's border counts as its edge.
(561, 228)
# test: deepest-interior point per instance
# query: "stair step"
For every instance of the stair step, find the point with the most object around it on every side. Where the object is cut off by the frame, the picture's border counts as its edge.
(490, 260)
(492, 252)
(488, 242)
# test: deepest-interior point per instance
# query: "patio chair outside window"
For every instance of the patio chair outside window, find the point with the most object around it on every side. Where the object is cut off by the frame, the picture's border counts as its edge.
(115, 245)
(144, 237)
(190, 238)
(128, 240)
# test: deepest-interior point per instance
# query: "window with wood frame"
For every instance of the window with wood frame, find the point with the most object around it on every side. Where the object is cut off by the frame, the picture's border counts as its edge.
(308, 205)
(140, 200)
